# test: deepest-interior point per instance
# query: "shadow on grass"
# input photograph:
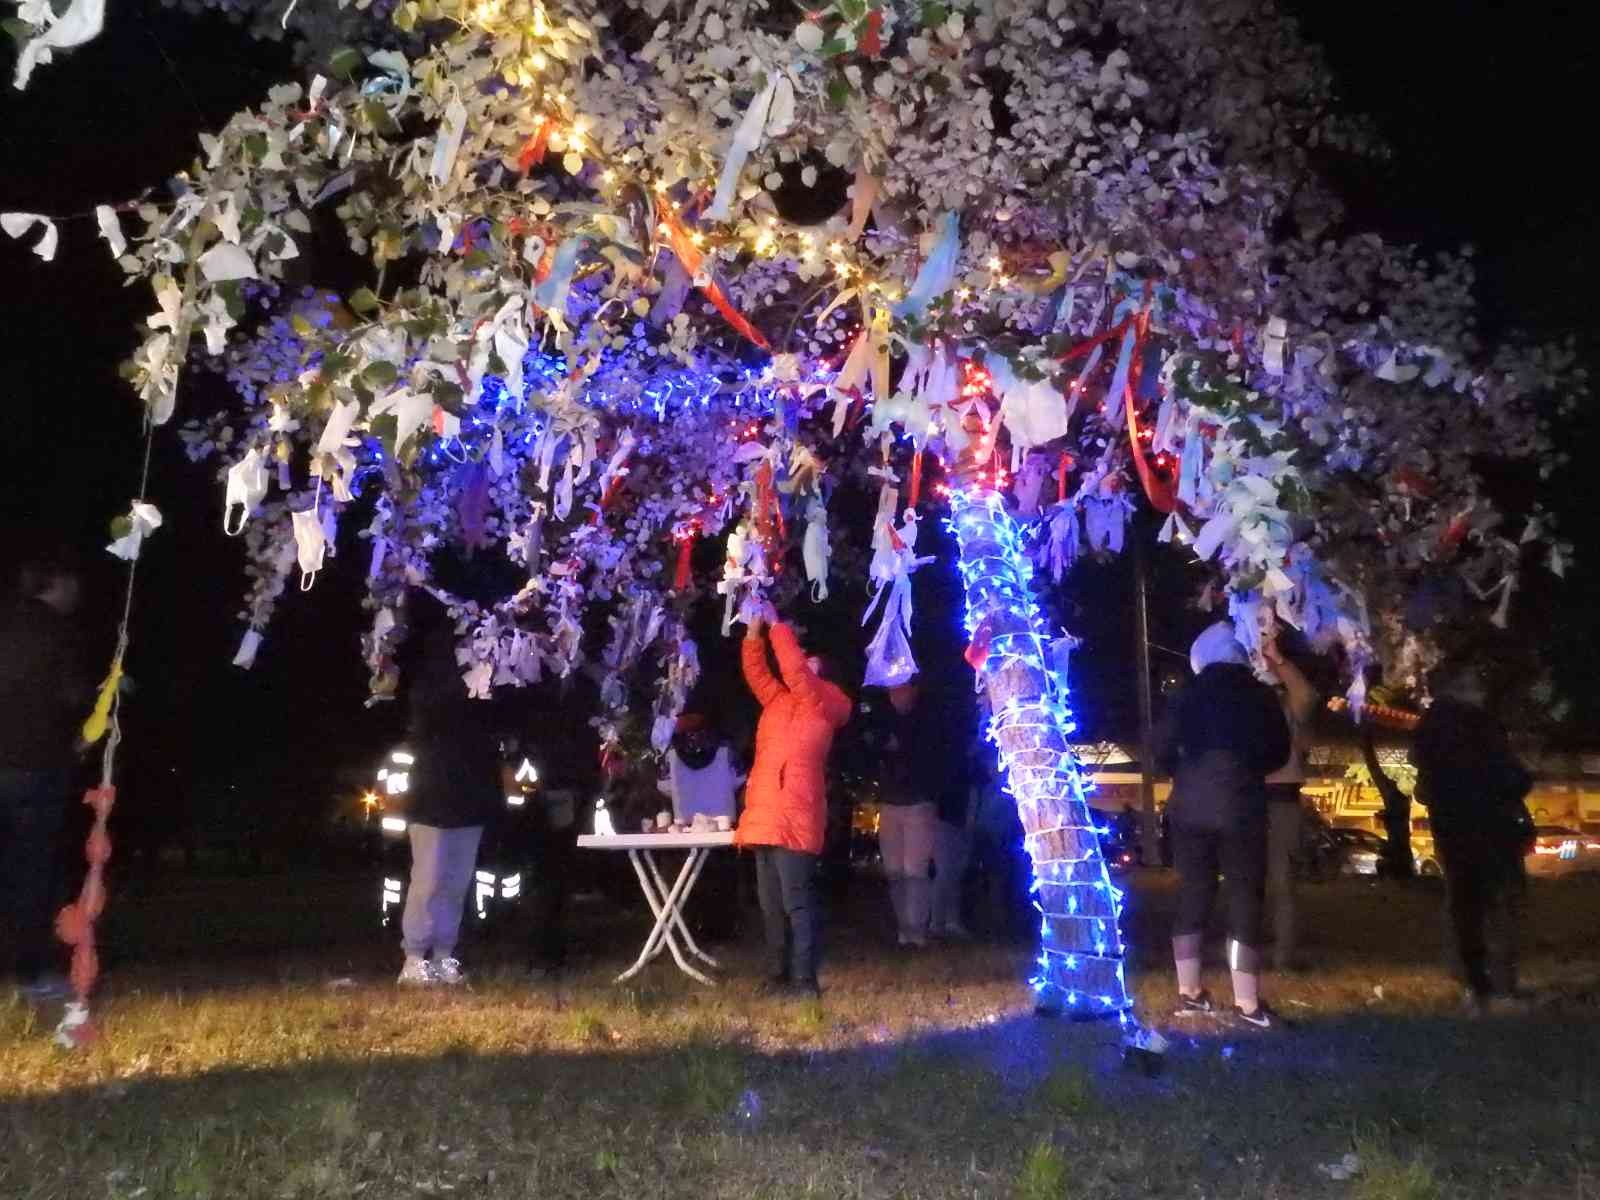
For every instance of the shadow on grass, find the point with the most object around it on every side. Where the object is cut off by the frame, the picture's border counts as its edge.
(1487, 1109)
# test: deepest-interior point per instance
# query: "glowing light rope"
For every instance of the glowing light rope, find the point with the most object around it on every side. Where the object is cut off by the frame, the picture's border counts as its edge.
(1080, 963)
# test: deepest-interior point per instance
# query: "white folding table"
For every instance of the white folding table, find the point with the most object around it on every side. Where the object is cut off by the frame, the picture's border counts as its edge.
(670, 931)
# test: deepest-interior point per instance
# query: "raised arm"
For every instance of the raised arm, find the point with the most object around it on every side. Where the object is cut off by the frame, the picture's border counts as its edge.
(800, 679)
(1300, 691)
(757, 674)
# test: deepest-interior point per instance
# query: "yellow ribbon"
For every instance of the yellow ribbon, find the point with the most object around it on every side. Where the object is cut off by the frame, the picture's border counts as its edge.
(100, 716)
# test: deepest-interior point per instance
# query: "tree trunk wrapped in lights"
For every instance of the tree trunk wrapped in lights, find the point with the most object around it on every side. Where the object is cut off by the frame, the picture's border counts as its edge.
(1080, 964)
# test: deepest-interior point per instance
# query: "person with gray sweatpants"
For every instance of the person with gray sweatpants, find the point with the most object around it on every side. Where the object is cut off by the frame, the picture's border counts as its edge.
(454, 792)
(442, 864)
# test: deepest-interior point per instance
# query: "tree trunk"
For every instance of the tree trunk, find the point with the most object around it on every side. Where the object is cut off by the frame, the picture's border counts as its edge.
(1080, 964)
(1397, 862)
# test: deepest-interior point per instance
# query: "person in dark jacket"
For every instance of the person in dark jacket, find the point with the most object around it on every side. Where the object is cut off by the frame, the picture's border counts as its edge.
(920, 762)
(549, 838)
(1474, 790)
(46, 690)
(1225, 734)
(454, 792)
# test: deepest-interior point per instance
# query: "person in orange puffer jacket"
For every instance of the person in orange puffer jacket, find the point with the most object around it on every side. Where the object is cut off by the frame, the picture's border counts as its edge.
(786, 797)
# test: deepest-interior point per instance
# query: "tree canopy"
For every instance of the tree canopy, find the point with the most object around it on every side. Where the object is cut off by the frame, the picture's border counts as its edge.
(644, 273)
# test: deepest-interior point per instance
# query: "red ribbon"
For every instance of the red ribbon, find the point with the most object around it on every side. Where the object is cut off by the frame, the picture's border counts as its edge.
(977, 654)
(871, 42)
(682, 574)
(533, 149)
(692, 261)
(1099, 339)
(1163, 494)
(916, 480)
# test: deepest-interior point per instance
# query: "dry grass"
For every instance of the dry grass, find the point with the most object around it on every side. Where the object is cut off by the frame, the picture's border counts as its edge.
(917, 1077)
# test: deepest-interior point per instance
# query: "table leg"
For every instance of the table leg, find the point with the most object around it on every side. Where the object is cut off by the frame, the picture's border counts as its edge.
(677, 915)
(652, 943)
(665, 909)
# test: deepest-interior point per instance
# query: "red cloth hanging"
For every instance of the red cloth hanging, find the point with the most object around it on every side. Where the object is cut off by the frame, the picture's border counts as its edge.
(682, 574)
(75, 924)
(693, 261)
(977, 654)
(533, 149)
(1163, 494)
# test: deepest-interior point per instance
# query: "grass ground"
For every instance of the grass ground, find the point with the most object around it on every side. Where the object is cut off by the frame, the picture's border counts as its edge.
(286, 1065)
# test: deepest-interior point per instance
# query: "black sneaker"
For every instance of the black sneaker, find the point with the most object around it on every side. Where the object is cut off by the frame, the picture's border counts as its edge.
(1194, 1006)
(1262, 1018)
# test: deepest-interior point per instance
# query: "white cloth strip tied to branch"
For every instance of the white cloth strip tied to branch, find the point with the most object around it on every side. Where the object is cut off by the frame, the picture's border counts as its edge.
(889, 659)
(81, 23)
(770, 114)
(1080, 965)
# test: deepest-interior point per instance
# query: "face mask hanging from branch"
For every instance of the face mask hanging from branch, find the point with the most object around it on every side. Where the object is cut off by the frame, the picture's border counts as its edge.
(889, 659)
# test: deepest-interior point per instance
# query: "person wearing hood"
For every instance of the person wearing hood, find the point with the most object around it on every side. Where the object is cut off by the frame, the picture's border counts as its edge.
(786, 804)
(454, 792)
(1474, 790)
(1225, 733)
(923, 778)
(701, 780)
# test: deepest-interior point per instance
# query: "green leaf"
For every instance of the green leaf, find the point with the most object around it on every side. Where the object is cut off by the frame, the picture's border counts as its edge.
(20, 31)
(121, 527)
(832, 48)
(255, 145)
(447, 395)
(852, 10)
(344, 61)
(384, 428)
(302, 326)
(934, 15)
(378, 117)
(363, 301)
(318, 397)
(405, 17)
(232, 295)
(380, 374)
(838, 91)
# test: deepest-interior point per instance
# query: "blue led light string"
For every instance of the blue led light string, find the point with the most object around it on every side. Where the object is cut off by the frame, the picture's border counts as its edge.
(1080, 964)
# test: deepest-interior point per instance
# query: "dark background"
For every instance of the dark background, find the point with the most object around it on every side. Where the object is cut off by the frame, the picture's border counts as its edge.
(1485, 105)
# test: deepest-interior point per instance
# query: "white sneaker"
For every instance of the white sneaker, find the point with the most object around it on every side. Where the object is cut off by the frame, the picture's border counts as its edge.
(417, 972)
(448, 972)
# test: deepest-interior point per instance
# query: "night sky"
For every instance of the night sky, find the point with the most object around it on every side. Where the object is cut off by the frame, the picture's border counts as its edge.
(1485, 106)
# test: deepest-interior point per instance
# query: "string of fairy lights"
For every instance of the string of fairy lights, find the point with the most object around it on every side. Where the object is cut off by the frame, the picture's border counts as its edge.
(1080, 968)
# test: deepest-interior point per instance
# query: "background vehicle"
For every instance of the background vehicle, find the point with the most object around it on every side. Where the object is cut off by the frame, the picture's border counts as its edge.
(1356, 851)
(1559, 850)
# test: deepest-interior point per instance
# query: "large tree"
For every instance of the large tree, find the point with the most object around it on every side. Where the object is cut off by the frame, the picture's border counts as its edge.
(645, 273)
